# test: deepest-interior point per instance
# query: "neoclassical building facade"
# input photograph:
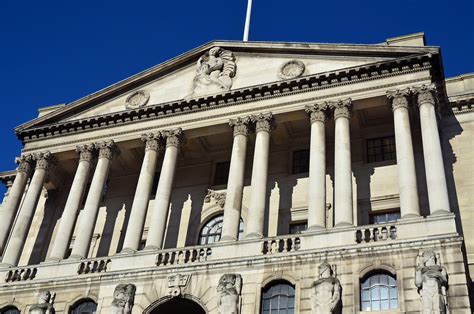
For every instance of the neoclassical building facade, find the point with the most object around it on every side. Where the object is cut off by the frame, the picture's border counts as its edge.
(246, 177)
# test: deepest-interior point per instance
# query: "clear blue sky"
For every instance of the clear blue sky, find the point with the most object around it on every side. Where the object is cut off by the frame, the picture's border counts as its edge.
(54, 52)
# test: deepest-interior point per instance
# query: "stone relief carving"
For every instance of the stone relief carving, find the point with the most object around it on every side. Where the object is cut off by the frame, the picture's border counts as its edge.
(219, 197)
(137, 99)
(229, 288)
(45, 303)
(291, 69)
(326, 291)
(431, 280)
(214, 72)
(177, 283)
(124, 297)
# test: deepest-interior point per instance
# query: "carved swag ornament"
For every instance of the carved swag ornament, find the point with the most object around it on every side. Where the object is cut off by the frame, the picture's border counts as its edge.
(45, 303)
(326, 291)
(214, 72)
(228, 290)
(124, 297)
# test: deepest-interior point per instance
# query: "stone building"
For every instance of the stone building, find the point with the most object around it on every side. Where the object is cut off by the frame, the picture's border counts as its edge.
(246, 177)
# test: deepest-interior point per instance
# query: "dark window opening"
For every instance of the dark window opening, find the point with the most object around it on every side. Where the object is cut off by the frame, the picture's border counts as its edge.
(297, 228)
(222, 173)
(384, 217)
(300, 161)
(381, 149)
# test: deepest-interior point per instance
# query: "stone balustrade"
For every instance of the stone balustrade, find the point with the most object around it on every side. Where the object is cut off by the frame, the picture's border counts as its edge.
(281, 245)
(183, 257)
(93, 266)
(376, 233)
(21, 274)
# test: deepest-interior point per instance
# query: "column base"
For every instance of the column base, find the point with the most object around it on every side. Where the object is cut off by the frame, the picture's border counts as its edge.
(228, 239)
(127, 250)
(343, 225)
(6, 265)
(410, 216)
(76, 257)
(440, 212)
(151, 248)
(314, 228)
(253, 235)
(52, 260)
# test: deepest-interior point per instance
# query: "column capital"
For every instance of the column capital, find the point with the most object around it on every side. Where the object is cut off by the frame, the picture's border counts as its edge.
(173, 137)
(263, 121)
(24, 163)
(86, 152)
(107, 149)
(398, 98)
(425, 94)
(43, 160)
(317, 112)
(342, 108)
(151, 141)
(240, 125)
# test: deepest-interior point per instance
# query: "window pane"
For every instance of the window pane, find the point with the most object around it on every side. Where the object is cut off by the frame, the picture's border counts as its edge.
(365, 295)
(394, 304)
(379, 292)
(366, 306)
(375, 305)
(380, 149)
(384, 305)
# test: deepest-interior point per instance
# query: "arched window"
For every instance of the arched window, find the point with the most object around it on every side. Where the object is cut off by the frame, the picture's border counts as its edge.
(278, 298)
(9, 310)
(212, 230)
(379, 292)
(85, 306)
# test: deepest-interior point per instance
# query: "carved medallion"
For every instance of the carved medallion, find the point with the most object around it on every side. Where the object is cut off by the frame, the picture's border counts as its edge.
(291, 69)
(137, 99)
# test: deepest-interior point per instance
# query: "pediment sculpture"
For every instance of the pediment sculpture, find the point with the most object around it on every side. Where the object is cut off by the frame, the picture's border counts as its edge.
(124, 298)
(45, 303)
(431, 280)
(326, 291)
(228, 290)
(214, 72)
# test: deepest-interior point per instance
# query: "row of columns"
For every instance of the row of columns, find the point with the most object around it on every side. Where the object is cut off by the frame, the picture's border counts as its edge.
(262, 124)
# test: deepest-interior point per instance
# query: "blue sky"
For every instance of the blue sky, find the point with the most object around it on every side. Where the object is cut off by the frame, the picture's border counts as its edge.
(54, 52)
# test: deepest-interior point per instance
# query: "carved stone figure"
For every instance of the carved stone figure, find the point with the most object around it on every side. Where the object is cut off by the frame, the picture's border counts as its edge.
(214, 72)
(124, 297)
(45, 303)
(228, 290)
(432, 282)
(176, 284)
(326, 291)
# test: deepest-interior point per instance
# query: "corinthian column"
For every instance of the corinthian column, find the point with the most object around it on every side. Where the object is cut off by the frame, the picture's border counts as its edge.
(259, 175)
(409, 205)
(22, 225)
(71, 209)
(14, 197)
(317, 167)
(142, 193)
(156, 233)
(235, 184)
(107, 150)
(433, 156)
(342, 164)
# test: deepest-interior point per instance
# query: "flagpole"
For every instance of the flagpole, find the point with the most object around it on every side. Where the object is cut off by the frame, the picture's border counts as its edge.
(247, 21)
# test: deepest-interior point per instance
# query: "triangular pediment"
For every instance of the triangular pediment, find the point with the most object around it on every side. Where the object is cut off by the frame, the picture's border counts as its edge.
(207, 70)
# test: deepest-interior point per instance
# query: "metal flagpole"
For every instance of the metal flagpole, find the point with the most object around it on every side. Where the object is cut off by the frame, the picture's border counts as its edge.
(247, 20)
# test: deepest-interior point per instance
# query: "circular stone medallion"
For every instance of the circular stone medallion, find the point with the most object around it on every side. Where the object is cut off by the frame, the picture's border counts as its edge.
(291, 69)
(137, 99)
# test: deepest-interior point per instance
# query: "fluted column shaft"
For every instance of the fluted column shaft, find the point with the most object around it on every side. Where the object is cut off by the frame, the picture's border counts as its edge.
(259, 175)
(342, 164)
(409, 203)
(71, 209)
(433, 156)
(156, 233)
(235, 184)
(317, 168)
(22, 226)
(88, 218)
(14, 198)
(142, 193)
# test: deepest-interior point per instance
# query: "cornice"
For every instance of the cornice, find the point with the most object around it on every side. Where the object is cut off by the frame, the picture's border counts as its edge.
(462, 104)
(253, 93)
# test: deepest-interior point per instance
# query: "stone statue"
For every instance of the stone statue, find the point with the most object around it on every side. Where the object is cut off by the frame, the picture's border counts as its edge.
(45, 303)
(214, 72)
(325, 292)
(432, 282)
(124, 296)
(228, 291)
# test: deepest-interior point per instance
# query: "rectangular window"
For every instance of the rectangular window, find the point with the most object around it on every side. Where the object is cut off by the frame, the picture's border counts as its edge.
(381, 149)
(222, 173)
(300, 161)
(297, 228)
(384, 217)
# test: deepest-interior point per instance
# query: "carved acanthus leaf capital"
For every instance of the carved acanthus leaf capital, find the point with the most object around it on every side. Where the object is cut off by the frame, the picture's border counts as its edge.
(398, 98)
(152, 141)
(263, 121)
(425, 94)
(173, 137)
(43, 160)
(317, 112)
(86, 152)
(342, 108)
(24, 163)
(107, 149)
(240, 125)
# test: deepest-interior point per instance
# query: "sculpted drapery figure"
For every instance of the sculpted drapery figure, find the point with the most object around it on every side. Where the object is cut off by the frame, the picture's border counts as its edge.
(228, 291)
(124, 297)
(432, 282)
(325, 292)
(214, 72)
(45, 303)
